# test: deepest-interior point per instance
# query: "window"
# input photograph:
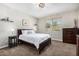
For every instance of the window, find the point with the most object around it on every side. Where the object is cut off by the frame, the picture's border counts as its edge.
(54, 24)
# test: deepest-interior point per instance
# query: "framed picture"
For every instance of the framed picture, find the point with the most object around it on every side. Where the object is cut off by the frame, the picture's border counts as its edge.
(24, 22)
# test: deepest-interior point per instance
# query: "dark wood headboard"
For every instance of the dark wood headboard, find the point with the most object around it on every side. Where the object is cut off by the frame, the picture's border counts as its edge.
(19, 31)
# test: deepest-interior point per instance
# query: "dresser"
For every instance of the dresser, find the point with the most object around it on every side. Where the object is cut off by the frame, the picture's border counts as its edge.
(69, 35)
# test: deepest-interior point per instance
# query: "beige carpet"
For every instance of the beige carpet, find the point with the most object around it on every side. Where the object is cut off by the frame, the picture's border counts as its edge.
(55, 49)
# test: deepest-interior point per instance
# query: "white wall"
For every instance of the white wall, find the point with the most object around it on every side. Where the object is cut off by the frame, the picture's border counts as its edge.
(16, 16)
(68, 22)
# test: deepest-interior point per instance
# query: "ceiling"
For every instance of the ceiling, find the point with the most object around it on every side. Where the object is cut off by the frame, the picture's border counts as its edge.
(50, 8)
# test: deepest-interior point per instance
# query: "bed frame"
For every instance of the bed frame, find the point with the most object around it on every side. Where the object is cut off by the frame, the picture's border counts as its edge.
(41, 46)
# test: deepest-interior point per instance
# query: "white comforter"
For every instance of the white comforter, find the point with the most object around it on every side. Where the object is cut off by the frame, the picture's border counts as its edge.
(35, 39)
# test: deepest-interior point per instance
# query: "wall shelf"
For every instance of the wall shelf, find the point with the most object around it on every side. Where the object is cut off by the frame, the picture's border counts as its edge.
(6, 20)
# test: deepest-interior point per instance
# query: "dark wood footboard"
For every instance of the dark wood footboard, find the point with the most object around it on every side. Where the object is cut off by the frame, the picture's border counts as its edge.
(44, 44)
(41, 46)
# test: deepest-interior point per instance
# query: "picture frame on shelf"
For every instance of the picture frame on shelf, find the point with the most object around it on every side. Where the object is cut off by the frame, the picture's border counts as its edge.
(24, 22)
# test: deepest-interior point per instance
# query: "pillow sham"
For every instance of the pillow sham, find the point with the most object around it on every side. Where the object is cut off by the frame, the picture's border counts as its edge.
(28, 32)
(24, 31)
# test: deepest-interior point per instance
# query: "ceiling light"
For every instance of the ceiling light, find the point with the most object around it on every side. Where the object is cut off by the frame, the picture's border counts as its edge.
(41, 5)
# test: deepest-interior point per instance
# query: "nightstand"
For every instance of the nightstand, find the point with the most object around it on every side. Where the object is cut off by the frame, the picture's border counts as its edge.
(12, 41)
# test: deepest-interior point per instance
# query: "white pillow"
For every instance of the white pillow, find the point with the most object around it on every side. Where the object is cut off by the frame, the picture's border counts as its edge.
(28, 32)
(24, 31)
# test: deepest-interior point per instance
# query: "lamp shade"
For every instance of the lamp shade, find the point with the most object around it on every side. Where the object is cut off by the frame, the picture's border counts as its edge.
(12, 30)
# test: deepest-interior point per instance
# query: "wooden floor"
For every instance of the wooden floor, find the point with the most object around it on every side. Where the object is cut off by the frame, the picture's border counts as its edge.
(55, 49)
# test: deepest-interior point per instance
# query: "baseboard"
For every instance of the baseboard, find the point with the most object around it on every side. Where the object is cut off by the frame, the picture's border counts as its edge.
(57, 39)
(3, 46)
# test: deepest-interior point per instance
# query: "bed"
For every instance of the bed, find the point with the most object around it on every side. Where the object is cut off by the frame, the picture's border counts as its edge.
(37, 40)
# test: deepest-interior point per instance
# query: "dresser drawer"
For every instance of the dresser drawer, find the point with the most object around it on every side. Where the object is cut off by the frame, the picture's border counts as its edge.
(69, 35)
